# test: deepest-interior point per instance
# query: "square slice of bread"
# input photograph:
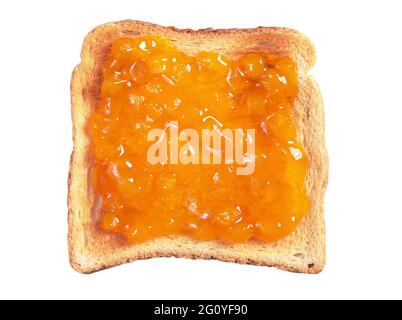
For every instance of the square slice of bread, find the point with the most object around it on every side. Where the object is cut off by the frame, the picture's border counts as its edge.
(92, 249)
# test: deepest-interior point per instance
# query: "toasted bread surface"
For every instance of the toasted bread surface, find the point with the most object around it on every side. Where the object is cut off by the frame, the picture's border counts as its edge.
(92, 249)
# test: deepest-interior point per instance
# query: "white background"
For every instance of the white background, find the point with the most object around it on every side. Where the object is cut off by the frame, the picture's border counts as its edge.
(359, 70)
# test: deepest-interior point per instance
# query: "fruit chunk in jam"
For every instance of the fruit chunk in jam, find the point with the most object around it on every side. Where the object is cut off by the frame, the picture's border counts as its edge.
(147, 83)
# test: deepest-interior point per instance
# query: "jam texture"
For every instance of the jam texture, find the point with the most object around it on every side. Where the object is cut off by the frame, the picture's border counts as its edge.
(149, 84)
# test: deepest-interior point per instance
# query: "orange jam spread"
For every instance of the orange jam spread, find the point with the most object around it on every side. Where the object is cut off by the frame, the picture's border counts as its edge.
(150, 84)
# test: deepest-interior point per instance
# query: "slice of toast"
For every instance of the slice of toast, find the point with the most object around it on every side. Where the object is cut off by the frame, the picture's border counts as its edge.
(91, 249)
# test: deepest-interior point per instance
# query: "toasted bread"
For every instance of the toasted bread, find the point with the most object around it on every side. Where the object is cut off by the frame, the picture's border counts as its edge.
(92, 249)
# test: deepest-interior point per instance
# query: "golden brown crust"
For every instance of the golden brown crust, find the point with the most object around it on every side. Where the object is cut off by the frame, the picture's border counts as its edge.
(92, 249)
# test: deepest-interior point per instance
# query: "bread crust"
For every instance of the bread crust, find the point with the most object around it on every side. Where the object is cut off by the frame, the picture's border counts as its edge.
(91, 249)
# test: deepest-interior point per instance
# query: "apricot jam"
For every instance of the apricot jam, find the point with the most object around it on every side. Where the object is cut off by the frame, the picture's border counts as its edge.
(148, 83)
